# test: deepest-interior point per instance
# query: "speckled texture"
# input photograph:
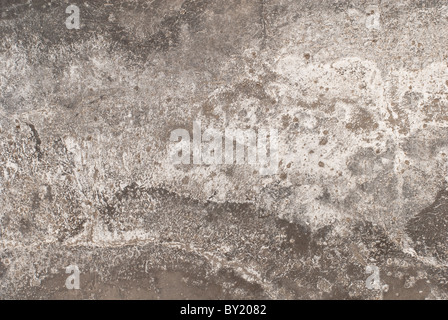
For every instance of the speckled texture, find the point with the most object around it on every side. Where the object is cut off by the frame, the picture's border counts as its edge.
(358, 91)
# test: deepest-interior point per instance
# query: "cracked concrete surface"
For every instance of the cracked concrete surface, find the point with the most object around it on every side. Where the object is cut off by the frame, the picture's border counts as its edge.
(358, 91)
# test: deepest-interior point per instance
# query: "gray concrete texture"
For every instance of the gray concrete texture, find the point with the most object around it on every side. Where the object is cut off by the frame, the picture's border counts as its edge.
(357, 91)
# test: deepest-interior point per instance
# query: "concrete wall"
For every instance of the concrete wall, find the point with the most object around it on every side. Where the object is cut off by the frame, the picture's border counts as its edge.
(357, 92)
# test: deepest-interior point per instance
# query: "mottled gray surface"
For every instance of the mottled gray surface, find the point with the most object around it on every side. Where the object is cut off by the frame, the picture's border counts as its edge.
(358, 91)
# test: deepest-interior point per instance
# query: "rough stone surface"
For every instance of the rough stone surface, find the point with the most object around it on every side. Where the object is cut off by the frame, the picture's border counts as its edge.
(358, 91)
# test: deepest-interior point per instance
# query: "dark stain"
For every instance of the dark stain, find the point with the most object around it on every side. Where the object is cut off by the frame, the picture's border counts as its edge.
(35, 202)
(48, 196)
(375, 239)
(398, 290)
(24, 226)
(323, 141)
(325, 197)
(3, 269)
(300, 236)
(72, 229)
(37, 140)
(428, 229)
(362, 120)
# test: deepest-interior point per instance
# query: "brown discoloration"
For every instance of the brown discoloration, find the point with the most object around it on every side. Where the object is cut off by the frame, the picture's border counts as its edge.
(362, 120)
